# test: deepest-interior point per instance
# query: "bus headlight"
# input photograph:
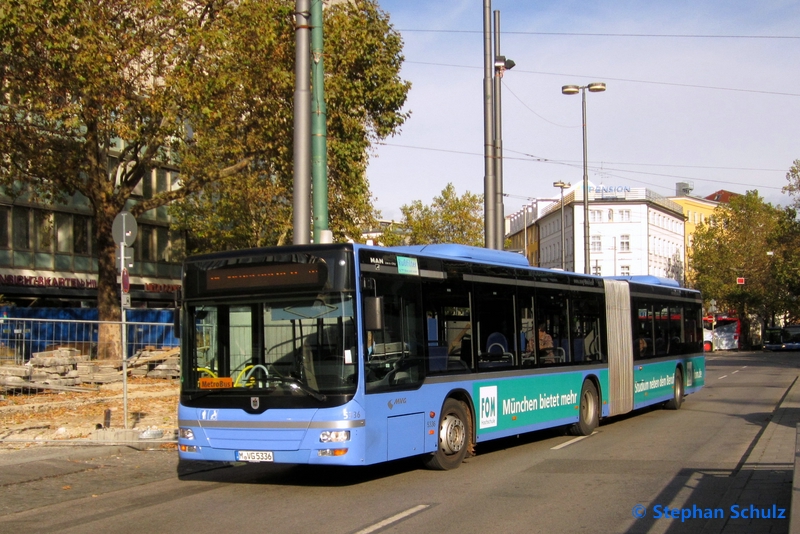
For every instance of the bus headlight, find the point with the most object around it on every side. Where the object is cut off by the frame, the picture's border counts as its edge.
(334, 436)
(185, 433)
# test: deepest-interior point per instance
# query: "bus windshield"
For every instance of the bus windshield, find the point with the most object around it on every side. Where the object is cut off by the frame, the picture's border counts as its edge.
(301, 346)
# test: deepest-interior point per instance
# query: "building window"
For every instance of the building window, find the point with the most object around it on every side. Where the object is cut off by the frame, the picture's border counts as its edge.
(63, 232)
(43, 225)
(625, 270)
(21, 228)
(162, 182)
(5, 213)
(147, 246)
(625, 243)
(595, 216)
(624, 215)
(596, 243)
(80, 234)
(163, 243)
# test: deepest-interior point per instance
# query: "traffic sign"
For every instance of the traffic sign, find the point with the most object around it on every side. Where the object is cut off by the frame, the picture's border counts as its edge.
(126, 281)
(124, 228)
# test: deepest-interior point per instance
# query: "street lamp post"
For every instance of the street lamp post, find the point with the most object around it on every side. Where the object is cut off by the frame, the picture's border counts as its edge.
(561, 185)
(594, 87)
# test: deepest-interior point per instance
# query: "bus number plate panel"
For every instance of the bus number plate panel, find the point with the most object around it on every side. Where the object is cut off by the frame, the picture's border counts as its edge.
(254, 456)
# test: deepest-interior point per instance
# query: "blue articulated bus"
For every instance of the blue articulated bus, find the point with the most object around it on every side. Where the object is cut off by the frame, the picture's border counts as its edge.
(355, 355)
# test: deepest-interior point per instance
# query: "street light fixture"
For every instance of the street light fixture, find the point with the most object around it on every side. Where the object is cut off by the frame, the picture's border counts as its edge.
(561, 185)
(594, 87)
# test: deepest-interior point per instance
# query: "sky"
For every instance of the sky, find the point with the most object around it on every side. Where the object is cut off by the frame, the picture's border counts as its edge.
(699, 91)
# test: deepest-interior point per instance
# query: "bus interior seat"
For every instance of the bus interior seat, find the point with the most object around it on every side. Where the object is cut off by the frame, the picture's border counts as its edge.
(496, 345)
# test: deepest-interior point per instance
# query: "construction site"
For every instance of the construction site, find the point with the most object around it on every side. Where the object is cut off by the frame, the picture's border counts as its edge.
(64, 394)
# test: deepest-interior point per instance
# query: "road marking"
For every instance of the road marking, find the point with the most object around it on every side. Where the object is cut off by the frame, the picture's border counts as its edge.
(721, 377)
(570, 442)
(394, 519)
(736, 371)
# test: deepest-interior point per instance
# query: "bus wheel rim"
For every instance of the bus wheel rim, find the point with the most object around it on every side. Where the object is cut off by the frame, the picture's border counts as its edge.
(452, 434)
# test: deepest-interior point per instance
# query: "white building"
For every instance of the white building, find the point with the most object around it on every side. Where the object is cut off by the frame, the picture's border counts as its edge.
(632, 231)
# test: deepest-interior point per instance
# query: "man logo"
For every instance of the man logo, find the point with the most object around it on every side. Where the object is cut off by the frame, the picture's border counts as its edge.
(488, 407)
(254, 403)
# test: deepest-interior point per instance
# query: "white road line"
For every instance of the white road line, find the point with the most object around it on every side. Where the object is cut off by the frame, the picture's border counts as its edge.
(721, 377)
(736, 371)
(570, 442)
(395, 518)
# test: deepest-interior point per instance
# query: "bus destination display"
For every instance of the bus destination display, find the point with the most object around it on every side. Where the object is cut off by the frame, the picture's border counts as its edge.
(272, 275)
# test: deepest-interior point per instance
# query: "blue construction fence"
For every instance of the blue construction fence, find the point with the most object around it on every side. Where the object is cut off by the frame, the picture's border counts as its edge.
(25, 331)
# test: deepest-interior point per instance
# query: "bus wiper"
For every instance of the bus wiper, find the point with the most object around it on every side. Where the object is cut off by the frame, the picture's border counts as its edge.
(296, 384)
(198, 395)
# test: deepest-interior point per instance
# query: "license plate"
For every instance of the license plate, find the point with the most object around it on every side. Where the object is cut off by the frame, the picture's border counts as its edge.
(254, 456)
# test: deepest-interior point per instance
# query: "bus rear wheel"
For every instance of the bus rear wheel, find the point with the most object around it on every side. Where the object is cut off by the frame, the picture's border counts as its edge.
(677, 392)
(455, 437)
(589, 416)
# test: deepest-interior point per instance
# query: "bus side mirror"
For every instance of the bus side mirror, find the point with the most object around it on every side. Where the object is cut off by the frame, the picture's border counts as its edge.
(373, 313)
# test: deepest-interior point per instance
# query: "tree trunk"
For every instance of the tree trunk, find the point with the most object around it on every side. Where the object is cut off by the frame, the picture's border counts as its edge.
(108, 303)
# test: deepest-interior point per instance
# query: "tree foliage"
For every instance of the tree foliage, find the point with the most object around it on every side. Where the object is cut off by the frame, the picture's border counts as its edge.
(793, 187)
(364, 95)
(450, 219)
(96, 94)
(754, 240)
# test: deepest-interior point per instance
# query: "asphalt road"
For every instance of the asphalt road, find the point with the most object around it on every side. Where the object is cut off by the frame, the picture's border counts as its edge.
(544, 482)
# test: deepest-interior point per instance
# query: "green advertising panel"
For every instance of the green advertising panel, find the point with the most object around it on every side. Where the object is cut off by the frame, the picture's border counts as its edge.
(656, 380)
(517, 402)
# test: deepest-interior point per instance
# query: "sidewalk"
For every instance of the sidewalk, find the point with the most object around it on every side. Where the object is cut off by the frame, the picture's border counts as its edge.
(765, 478)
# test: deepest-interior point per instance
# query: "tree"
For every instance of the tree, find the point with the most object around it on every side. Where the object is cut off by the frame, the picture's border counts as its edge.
(736, 244)
(793, 188)
(450, 219)
(364, 95)
(96, 94)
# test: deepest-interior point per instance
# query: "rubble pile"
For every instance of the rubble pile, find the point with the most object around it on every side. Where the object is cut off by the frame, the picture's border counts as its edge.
(66, 368)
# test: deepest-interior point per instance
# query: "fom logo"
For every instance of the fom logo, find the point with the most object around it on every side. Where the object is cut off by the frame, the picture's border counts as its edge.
(488, 407)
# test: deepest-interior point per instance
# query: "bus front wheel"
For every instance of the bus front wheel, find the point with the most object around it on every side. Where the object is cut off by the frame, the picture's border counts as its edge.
(589, 417)
(677, 392)
(455, 437)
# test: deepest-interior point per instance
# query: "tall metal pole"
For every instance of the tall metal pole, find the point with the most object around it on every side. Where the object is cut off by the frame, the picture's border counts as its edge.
(525, 231)
(489, 190)
(563, 235)
(124, 331)
(319, 127)
(586, 264)
(302, 125)
(498, 140)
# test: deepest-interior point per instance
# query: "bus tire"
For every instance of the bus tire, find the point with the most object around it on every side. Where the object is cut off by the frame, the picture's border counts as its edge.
(589, 410)
(677, 392)
(455, 437)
